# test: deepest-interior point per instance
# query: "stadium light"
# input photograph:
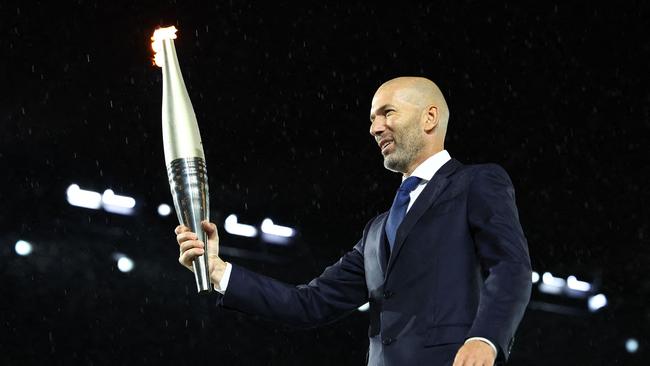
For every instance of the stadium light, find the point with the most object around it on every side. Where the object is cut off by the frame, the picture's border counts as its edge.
(597, 302)
(83, 198)
(164, 209)
(535, 277)
(233, 227)
(23, 247)
(114, 203)
(574, 284)
(268, 227)
(125, 264)
(552, 285)
(631, 345)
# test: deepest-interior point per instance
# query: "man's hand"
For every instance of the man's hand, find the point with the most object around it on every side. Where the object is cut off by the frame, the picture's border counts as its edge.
(475, 353)
(191, 247)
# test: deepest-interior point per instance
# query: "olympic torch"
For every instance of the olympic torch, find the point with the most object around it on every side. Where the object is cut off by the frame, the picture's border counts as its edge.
(184, 157)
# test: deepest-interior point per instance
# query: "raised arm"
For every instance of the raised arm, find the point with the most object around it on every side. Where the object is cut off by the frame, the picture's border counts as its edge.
(341, 288)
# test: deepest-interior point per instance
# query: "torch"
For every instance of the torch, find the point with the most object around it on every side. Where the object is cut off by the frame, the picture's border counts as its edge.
(184, 157)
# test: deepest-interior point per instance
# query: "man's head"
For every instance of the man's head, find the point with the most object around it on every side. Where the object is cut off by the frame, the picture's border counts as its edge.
(408, 120)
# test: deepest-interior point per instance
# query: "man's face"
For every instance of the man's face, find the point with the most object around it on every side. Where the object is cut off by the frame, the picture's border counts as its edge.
(396, 127)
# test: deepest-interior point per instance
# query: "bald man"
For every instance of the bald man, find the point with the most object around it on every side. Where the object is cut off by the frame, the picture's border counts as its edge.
(446, 269)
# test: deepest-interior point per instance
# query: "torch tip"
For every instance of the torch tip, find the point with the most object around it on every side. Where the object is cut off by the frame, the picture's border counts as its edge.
(158, 36)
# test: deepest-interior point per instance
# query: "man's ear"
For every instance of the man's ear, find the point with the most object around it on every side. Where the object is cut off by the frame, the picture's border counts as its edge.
(431, 117)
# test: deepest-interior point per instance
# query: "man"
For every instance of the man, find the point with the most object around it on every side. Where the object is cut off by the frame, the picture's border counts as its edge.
(446, 270)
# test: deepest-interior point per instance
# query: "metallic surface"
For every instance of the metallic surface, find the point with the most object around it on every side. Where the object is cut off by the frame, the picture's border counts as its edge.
(188, 181)
(181, 136)
(184, 158)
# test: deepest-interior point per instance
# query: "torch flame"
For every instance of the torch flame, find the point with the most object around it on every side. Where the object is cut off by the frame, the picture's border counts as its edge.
(158, 36)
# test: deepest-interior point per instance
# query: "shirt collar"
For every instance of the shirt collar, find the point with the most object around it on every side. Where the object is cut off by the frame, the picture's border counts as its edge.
(429, 167)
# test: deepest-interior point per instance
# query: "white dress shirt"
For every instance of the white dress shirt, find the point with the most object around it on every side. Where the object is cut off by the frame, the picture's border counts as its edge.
(425, 172)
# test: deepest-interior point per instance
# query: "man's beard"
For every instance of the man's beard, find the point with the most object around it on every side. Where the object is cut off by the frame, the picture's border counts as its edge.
(407, 146)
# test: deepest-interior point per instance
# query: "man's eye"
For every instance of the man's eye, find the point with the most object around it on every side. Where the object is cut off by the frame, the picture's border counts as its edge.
(389, 112)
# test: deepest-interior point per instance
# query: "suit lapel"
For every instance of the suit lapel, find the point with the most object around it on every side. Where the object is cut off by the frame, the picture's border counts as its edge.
(383, 247)
(431, 192)
(378, 236)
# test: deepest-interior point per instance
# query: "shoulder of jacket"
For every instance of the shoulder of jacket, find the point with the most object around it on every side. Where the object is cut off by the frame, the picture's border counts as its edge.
(476, 169)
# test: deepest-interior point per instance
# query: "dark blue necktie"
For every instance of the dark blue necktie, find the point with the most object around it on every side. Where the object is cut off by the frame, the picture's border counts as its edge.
(398, 209)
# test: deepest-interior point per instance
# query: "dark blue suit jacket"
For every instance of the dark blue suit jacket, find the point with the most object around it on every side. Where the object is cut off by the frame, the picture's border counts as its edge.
(460, 268)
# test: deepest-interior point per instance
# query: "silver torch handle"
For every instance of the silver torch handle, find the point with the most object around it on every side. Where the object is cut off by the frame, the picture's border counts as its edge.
(188, 181)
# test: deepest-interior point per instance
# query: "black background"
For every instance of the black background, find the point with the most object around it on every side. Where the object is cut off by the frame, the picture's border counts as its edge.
(556, 93)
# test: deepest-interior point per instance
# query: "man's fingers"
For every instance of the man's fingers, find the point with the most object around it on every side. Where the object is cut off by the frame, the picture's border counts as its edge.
(191, 244)
(459, 360)
(181, 229)
(210, 229)
(464, 360)
(470, 361)
(185, 236)
(188, 256)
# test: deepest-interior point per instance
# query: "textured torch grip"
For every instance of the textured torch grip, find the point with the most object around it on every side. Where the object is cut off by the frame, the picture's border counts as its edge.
(188, 181)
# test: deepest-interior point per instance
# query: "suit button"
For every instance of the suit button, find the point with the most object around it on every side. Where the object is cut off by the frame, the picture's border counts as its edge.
(388, 341)
(388, 294)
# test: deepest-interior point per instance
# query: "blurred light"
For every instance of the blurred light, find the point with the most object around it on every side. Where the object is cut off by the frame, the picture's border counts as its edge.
(535, 277)
(83, 198)
(597, 302)
(233, 227)
(23, 248)
(551, 285)
(274, 239)
(114, 203)
(125, 264)
(548, 279)
(632, 345)
(550, 289)
(110, 198)
(364, 307)
(164, 209)
(574, 284)
(268, 227)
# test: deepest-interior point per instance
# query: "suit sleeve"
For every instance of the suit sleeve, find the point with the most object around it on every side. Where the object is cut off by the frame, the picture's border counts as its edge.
(503, 254)
(340, 289)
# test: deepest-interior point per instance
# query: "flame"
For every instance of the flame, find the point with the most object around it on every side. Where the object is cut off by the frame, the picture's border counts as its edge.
(158, 36)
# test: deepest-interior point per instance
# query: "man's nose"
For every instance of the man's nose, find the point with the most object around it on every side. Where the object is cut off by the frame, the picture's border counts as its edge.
(377, 126)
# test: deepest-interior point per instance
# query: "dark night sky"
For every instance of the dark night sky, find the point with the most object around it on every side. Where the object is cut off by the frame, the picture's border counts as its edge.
(555, 93)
